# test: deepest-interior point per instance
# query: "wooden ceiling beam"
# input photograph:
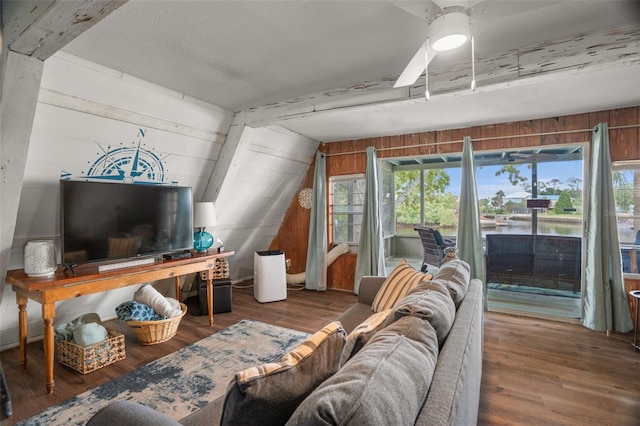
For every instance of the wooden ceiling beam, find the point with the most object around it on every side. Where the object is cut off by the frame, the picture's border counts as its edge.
(552, 60)
(40, 29)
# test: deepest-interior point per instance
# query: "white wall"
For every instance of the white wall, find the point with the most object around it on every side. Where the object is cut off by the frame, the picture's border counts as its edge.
(84, 110)
(258, 173)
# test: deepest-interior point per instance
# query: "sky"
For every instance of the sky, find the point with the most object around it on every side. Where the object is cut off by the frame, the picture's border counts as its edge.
(488, 183)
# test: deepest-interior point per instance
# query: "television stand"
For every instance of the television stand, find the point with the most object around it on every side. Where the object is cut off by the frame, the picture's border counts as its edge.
(88, 280)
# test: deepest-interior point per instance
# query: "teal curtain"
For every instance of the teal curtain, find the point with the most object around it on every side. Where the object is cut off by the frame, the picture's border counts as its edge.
(604, 301)
(469, 239)
(370, 260)
(316, 270)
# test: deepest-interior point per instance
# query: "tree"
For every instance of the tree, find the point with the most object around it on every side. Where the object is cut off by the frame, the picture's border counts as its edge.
(442, 211)
(622, 191)
(564, 202)
(543, 189)
(509, 206)
(497, 201)
(439, 206)
(407, 199)
(436, 182)
(574, 184)
(514, 174)
(484, 205)
(555, 184)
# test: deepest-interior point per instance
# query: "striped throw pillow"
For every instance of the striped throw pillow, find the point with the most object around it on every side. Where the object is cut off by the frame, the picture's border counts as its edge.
(402, 279)
(270, 393)
(293, 358)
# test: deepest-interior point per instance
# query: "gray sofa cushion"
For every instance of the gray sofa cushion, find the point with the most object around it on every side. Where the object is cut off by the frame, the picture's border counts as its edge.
(364, 332)
(127, 413)
(454, 396)
(432, 302)
(353, 317)
(269, 394)
(455, 274)
(383, 384)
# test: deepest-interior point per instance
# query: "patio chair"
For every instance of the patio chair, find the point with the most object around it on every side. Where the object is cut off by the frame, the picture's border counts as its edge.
(433, 245)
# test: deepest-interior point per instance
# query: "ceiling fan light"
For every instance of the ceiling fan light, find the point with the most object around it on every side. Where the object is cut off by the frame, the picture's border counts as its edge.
(449, 31)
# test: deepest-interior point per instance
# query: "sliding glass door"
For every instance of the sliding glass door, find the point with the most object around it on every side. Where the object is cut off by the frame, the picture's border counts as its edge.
(533, 198)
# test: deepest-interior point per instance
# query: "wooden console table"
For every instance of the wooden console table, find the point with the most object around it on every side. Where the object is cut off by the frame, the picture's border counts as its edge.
(87, 280)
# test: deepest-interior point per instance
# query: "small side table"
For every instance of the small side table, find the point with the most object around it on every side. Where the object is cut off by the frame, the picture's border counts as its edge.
(636, 295)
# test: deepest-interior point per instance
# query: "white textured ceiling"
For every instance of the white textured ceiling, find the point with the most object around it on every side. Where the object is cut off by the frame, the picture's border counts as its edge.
(243, 54)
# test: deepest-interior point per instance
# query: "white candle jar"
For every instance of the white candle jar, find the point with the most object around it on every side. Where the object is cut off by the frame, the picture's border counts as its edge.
(40, 258)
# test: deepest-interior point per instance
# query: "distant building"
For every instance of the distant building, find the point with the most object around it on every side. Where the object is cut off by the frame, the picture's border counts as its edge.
(517, 197)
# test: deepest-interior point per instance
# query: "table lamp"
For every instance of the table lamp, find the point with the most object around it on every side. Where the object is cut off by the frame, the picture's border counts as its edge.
(204, 214)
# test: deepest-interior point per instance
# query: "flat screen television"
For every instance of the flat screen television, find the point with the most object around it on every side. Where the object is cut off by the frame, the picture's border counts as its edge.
(108, 221)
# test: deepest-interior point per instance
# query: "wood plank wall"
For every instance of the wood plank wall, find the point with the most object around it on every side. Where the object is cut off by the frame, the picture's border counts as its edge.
(293, 233)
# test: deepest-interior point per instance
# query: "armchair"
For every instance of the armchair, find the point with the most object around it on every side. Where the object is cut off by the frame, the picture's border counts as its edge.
(434, 246)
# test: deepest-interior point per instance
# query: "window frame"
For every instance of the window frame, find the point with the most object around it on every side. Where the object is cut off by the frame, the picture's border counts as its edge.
(628, 166)
(358, 177)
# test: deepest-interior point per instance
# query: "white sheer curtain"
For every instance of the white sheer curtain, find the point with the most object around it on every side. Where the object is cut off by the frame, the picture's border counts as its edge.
(604, 302)
(316, 269)
(370, 260)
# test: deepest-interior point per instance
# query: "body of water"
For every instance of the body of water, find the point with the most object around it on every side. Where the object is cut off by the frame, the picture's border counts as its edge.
(544, 228)
(626, 234)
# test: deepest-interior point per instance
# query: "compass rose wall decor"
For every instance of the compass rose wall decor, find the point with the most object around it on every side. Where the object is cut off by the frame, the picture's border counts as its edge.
(127, 163)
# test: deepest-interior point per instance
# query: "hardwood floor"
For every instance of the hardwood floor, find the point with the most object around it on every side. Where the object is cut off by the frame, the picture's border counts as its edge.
(554, 373)
(535, 371)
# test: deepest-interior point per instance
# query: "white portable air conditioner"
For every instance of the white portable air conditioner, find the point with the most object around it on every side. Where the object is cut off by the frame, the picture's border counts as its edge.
(269, 276)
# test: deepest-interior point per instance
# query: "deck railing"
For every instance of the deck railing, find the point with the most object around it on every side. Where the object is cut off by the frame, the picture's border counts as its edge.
(545, 261)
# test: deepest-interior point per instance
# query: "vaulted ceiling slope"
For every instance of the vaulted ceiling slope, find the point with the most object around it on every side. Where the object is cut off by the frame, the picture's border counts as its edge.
(310, 59)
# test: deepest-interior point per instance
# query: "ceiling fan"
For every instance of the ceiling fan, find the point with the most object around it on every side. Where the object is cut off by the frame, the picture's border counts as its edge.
(449, 28)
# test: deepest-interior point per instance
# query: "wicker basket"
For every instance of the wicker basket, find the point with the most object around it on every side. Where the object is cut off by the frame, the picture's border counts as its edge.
(154, 332)
(86, 359)
(221, 270)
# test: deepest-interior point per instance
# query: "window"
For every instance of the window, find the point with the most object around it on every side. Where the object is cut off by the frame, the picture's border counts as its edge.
(626, 193)
(426, 196)
(345, 207)
(387, 202)
(427, 191)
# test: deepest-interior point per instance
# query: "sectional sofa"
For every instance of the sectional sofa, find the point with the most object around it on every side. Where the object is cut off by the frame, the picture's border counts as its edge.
(408, 352)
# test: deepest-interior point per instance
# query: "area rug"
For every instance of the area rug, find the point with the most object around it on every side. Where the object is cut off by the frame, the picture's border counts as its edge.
(184, 381)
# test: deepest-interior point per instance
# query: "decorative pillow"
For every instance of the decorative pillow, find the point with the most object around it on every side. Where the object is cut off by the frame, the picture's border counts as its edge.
(455, 274)
(438, 237)
(402, 279)
(385, 383)
(270, 393)
(432, 302)
(364, 332)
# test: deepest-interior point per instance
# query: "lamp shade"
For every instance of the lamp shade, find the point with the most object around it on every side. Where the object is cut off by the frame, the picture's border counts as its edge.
(204, 214)
(449, 31)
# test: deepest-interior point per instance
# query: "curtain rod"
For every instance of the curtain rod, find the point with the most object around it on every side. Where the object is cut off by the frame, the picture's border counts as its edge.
(561, 132)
